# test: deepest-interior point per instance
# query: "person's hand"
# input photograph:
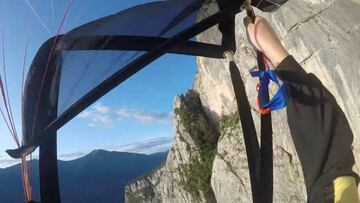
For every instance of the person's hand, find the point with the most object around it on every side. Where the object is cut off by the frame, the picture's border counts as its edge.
(264, 39)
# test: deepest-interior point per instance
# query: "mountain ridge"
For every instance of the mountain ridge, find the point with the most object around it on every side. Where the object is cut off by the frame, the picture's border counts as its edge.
(99, 176)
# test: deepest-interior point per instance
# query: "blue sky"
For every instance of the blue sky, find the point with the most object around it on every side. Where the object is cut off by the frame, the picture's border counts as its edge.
(136, 116)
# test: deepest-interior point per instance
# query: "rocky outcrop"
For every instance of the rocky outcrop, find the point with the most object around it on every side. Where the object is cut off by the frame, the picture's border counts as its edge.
(186, 175)
(324, 37)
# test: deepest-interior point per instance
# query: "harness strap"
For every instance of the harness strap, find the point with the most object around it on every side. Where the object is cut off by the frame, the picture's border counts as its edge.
(265, 189)
(260, 159)
(248, 128)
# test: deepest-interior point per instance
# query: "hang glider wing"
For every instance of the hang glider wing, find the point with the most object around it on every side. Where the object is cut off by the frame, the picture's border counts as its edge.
(89, 61)
(92, 59)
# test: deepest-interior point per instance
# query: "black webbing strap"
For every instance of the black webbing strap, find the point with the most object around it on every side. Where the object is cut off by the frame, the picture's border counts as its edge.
(266, 149)
(248, 129)
(227, 28)
(260, 159)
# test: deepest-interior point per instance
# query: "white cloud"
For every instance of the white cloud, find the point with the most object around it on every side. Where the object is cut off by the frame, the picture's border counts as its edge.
(4, 163)
(144, 117)
(7, 161)
(72, 156)
(98, 114)
(101, 108)
(105, 116)
(145, 146)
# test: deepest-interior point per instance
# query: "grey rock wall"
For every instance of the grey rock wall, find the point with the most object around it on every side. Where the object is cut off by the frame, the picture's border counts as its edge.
(177, 181)
(324, 37)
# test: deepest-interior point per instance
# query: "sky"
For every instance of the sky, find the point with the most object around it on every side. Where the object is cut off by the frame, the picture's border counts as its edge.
(135, 117)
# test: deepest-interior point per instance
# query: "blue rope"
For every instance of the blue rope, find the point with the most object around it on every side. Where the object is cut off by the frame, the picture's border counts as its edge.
(279, 100)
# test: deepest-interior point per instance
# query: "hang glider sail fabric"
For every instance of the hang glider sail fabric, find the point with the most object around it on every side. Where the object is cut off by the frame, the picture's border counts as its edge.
(85, 58)
(82, 70)
(71, 71)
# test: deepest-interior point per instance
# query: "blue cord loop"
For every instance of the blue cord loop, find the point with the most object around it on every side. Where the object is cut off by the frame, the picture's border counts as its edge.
(279, 100)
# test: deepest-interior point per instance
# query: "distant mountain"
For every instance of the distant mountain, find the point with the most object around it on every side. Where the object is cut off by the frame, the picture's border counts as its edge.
(100, 176)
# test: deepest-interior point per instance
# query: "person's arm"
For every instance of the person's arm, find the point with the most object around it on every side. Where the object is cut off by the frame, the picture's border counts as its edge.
(321, 133)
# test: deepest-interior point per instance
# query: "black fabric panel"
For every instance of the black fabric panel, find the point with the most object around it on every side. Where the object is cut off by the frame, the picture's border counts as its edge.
(91, 67)
(139, 43)
(47, 110)
(160, 18)
(137, 65)
(48, 96)
(123, 74)
(227, 28)
(186, 12)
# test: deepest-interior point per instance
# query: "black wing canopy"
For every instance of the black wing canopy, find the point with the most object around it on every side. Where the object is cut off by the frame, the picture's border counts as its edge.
(101, 48)
(92, 59)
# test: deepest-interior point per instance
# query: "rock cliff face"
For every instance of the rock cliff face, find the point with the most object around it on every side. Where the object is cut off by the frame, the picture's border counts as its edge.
(186, 175)
(324, 37)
